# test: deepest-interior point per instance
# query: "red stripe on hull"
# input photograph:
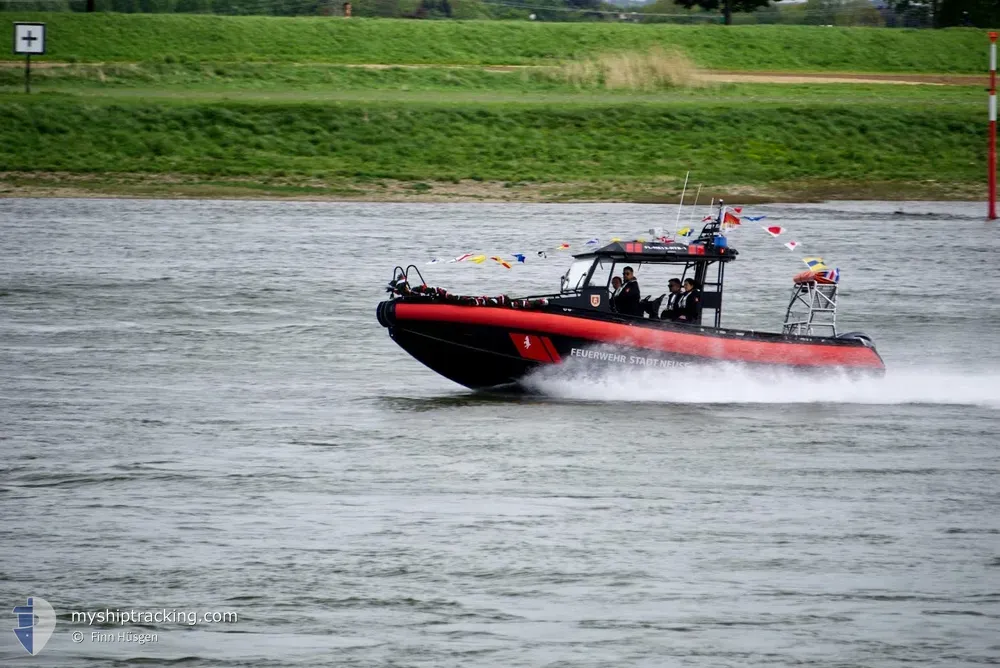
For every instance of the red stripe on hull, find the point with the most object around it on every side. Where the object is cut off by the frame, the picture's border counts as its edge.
(722, 348)
(532, 347)
(553, 353)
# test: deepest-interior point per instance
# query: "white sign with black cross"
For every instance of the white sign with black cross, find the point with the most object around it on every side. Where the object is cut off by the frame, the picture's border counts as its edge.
(29, 39)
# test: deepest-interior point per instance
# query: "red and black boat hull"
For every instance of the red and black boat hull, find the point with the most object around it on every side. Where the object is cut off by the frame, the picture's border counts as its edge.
(483, 347)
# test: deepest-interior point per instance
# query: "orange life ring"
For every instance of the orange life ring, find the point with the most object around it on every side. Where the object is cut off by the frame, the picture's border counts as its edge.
(807, 276)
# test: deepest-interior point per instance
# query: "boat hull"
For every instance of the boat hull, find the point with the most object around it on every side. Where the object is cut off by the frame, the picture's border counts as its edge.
(483, 347)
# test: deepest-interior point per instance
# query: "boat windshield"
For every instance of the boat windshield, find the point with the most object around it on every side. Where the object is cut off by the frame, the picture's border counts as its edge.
(575, 276)
(602, 273)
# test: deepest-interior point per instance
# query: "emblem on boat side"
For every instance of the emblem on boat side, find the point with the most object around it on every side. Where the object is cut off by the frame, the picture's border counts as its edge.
(595, 300)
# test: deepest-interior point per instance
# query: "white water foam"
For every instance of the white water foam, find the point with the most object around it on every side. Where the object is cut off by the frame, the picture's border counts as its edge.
(729, 384)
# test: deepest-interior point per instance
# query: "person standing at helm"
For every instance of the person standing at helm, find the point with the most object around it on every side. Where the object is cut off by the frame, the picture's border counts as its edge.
(626, 301)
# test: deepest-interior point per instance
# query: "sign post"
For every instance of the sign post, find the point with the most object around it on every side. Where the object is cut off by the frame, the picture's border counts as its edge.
(29, 39)
(991, 160)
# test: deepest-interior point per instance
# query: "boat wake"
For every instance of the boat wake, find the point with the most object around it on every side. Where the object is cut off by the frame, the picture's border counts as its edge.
(734, 384)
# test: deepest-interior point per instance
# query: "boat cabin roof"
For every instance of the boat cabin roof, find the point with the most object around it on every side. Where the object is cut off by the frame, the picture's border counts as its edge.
(661, 252)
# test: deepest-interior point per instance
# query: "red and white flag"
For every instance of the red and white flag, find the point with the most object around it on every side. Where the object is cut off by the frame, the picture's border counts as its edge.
(773, 230)
(792, 245)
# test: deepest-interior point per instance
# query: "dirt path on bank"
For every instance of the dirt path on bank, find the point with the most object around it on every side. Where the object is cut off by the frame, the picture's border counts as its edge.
(845, 77)
(713, 76)
(736, 76)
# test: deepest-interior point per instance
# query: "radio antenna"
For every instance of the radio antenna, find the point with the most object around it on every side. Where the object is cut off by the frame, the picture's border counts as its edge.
(681, 204)
(694, 206)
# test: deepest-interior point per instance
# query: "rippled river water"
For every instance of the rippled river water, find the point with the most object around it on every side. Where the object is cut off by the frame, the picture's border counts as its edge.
(200, 413)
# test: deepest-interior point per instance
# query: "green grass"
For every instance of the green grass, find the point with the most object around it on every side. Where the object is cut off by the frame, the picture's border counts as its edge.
(520, 143)
(205, 105)
(147, 37)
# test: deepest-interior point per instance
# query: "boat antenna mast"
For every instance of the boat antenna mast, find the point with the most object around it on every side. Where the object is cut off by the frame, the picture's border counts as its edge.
(713, 226)
(680, 205)
(694, 207)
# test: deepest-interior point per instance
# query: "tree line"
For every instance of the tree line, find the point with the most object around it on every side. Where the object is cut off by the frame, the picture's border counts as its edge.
(936, 13)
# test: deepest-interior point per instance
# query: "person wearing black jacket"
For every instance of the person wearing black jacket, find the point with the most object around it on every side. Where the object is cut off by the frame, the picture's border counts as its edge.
(627, 299)
(673, 298)
(690, 304)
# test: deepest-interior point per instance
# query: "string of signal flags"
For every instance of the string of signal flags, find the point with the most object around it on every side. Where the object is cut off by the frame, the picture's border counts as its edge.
(733, 219)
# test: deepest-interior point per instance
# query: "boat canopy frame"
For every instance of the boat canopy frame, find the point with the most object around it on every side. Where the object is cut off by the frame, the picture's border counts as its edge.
(705, 257)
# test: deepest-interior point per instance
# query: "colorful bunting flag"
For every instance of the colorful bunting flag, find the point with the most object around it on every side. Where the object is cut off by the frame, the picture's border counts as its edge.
(730, 218)
(815, 263)
(831, 275)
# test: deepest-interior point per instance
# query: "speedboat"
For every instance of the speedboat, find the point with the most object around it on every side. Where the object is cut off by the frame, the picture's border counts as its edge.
(496, 342)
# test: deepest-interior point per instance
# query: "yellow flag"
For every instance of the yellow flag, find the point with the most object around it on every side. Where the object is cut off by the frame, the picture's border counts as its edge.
(815, 263)
(479, 259)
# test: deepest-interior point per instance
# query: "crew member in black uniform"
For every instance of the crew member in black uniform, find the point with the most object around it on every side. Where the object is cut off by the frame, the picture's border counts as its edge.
(627, 299)
(690, 303)
(616, 285)
(672, 310)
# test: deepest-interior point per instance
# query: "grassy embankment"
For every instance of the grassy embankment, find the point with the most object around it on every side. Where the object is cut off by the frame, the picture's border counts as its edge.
(153, 37)
(170, 105)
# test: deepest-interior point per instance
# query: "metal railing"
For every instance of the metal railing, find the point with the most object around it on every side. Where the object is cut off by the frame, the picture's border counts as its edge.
(812, 310)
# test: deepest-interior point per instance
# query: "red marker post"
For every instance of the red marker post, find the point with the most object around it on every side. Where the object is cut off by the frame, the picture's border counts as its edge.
(992, 158)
